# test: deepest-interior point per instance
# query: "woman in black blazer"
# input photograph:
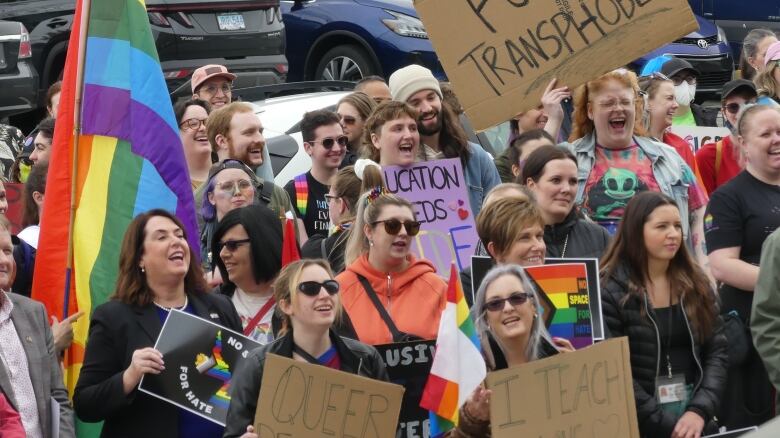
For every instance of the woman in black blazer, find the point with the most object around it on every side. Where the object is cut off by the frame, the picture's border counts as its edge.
(156, 273)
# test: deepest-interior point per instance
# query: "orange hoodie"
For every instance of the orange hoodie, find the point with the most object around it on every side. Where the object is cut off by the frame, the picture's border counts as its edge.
(414, 298)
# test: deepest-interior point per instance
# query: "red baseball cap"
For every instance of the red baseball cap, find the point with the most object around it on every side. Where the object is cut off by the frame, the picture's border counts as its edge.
(207, 72)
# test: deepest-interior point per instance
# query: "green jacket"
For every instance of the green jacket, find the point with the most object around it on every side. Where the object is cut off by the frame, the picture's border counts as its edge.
(765, 317)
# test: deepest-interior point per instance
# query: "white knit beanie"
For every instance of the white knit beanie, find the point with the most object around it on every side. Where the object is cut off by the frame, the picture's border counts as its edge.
(409, 80)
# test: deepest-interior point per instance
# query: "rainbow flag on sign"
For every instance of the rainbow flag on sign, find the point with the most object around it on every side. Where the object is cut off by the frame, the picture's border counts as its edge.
(116, 154)
(458, 367)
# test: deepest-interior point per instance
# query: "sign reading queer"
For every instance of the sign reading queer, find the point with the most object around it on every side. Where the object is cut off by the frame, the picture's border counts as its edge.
(199, 359)
(409, 364)
(588, 393)
(698, 136)
(438, 191)
(501, 54)
(299, 399)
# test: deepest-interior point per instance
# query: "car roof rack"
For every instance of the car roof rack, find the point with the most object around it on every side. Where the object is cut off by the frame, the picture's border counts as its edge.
(262, 92)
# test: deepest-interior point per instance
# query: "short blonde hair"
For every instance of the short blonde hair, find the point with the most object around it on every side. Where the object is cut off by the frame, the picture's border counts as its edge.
(287, 282)
(219, 121)
(504, 220)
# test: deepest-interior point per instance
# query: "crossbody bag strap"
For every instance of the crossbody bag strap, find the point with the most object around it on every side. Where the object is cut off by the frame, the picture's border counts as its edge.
(718, 156)
(397, 335)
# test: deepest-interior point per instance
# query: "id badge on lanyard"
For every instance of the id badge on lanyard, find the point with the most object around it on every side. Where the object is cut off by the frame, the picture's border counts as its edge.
(671, 391)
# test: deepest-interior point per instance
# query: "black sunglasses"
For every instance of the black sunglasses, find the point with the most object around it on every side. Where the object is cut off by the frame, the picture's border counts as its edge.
(516, 299)
(328, 143)
(312, 288)
(393, 226)
(232, 245)
(733, 108)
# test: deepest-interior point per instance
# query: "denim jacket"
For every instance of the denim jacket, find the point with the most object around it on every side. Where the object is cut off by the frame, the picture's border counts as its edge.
(481, 175)
(668, 169)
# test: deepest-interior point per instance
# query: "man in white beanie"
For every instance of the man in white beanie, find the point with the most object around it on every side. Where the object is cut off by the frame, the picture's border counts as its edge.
(441, 133)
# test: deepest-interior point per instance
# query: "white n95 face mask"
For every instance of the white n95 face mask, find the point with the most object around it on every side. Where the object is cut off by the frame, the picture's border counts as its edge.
(684, 93)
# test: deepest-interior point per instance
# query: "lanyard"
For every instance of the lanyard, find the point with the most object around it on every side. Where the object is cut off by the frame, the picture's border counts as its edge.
(250, 326)
(669, 336)
(302, 353)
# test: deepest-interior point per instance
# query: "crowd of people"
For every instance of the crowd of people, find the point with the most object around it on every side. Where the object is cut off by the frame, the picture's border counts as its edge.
(686, 241)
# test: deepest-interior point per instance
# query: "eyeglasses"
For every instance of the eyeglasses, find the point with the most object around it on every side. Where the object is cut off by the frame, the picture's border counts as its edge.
(328, 142)
(347, 120)
(232, 245)
(613, 104)
(393, 226)
(212, 89)
(230, 186)
(330, 198)
(313, 288)
(192, 124)
(656, 76)
(691, 80)
(515, 299)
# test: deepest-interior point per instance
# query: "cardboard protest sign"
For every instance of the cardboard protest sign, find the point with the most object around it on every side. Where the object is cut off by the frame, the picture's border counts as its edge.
(568, 298)
(409, 364)
(594, 291)
(199, 359)
(588, 393)
(501, 54)
(439, 194)
(299, 399)
(698, 136)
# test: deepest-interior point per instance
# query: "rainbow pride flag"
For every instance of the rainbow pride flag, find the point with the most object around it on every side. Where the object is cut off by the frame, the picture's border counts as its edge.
(129, 159)
(458, 367)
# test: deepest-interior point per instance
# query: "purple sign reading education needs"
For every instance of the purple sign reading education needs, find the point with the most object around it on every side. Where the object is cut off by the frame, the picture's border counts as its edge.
(438, 192)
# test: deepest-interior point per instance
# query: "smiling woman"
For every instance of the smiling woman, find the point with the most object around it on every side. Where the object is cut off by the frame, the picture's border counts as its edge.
(390, 135)
(191, 115)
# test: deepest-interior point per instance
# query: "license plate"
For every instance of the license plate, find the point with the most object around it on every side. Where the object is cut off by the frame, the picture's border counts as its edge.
(231, 22)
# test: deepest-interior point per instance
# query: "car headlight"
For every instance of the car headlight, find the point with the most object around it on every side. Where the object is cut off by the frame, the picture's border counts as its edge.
(722, 35)
(405, 25)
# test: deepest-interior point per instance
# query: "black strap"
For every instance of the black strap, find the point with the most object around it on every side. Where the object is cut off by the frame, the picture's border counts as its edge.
(302, 353)
(398, 336)
(323, 250)
(266, 192)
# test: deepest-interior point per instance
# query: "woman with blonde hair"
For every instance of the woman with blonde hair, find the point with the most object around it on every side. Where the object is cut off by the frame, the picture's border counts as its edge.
(616, 160)
(354, 109)
(768, 79)
(308, 302)
(388, 293)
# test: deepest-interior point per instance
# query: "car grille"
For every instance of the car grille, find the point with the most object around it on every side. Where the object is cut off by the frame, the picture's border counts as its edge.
(711, 40)
(713, 80)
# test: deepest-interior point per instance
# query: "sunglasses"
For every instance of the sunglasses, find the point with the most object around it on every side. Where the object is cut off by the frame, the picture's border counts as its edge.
(313, 288)
(516, 299)
(656, 75)
(348, 120)
(230, 186)
(393, 226)
(232, 245)
(328, 142)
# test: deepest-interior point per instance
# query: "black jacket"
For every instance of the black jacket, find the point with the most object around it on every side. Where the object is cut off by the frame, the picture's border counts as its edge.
(636, 319)
(115, 332)
(330, 248)
(356, 358)
(581, 237)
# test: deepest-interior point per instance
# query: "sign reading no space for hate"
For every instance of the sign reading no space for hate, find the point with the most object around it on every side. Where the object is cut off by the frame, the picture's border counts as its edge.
(501, 54)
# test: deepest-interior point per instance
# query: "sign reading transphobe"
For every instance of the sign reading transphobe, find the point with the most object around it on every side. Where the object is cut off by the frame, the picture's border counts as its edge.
(587, 394)
(501, 54)
(302, 400)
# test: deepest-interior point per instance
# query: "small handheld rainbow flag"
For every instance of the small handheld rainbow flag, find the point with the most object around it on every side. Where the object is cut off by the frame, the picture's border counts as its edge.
(458, 367)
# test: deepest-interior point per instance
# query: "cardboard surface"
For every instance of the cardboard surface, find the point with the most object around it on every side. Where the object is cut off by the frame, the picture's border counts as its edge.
(302, 400)
(199, 359)
(439, 194)
(698, 136)
(409, 364)
(501, 54)
(586, 394)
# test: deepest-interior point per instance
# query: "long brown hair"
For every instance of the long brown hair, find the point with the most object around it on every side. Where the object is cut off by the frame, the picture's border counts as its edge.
(686, 278)
(131, 285)
(36, 182)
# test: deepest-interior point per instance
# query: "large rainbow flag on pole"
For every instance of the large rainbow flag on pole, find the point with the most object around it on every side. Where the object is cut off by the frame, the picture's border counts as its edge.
(116, 153)
(458, 367)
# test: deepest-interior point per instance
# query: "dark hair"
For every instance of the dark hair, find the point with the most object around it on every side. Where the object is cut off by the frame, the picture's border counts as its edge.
(181, 107)
(453, 140)
(685, 276)
(131, 286)
(314, 119)
(373, 78)
(53, 89)
(264, 229)
(448, 95)
(516, 146)
(46, 127)
(535, 163)
(36, 182)
(749, 49)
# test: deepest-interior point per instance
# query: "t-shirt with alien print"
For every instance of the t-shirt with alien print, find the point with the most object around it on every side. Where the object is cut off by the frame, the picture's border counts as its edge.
(618, 175)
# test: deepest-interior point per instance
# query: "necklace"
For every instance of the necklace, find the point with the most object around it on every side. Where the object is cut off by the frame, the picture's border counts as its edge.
(168, 309)
(565, 244)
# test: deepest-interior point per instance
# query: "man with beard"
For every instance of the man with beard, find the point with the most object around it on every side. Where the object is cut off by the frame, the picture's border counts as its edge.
(441, 134)
(234, 131)
(326, 144)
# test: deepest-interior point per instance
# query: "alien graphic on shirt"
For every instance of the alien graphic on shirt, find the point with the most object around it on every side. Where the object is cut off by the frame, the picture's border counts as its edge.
(613, 191)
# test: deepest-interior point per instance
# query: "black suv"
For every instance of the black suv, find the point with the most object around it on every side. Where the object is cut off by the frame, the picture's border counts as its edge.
(246, 36)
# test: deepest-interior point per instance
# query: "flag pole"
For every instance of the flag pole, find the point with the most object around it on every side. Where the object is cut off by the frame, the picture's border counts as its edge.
(83, 30)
